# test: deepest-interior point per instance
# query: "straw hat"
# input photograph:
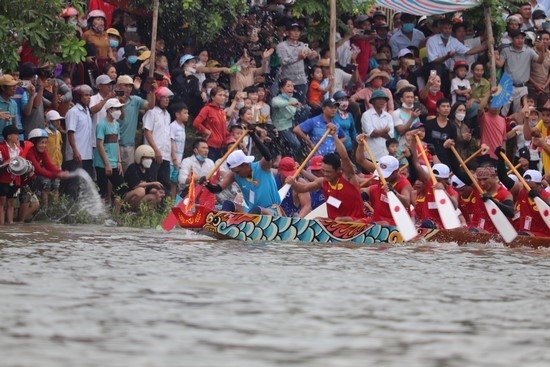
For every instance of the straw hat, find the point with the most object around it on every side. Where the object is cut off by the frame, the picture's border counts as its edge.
(403, 83)
(377, 73)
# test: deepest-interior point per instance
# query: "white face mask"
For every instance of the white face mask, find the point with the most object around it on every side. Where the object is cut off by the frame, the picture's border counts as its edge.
(460, 116)
(147, 162)
(116, 114)
(538, 22)
(408, 106)
(240, 105)
(192, 70)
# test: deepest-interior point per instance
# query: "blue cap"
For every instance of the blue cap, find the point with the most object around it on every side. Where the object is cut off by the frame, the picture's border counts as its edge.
(186, 58)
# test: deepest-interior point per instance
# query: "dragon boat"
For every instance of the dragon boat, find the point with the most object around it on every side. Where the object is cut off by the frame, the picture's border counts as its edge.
(252, 227)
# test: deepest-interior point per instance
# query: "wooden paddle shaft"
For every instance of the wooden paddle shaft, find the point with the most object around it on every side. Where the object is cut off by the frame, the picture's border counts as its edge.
(224, 158)
(513, 169)
(474, 181)
(467, 160)
(423, 153)
(373, 159)
(310, 155)
(510, 171)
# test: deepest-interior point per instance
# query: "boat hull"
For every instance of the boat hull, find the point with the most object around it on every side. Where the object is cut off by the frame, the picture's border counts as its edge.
(250, 227)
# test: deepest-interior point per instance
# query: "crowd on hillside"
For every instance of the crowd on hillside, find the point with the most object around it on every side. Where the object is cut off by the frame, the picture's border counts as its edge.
(142, 138)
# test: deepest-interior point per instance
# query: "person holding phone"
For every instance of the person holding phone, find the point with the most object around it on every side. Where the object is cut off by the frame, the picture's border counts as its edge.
(97, 103)
(8, 106)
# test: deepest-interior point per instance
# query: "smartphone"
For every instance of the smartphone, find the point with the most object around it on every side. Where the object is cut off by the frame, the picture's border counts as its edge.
(24, 84)
(433, 73)
(119, 93)
(306, 45)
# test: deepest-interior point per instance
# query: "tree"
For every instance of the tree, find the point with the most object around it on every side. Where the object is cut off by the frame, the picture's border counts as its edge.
(37, 23)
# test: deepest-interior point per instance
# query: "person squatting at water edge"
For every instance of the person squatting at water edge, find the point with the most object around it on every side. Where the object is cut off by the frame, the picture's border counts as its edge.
(255, 180)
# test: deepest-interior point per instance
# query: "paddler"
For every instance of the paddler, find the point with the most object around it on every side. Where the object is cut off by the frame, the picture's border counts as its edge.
(294, 204)
(255, 180)
(377, 193)
(339, 183)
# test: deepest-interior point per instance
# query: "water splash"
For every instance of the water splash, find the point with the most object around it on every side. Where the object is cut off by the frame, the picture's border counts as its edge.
(89, 199)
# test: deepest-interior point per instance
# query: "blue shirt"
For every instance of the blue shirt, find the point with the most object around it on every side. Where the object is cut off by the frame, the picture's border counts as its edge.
(261, 190)
(348, 126)
(110, 130)
(316, 127)
(128, 125)
(8, 106)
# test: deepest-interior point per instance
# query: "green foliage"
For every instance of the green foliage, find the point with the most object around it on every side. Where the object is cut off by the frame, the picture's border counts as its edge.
(194, 21)
(39, 24)
(319, 14)
(476, 16)
(146, 217)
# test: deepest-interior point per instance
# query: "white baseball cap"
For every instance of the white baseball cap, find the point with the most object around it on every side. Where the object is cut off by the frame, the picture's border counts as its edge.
(404, 52)
(53, 115)
(457, 182)
(112, 103)
(237, 158)
(388, 165)
(441, 170)
(533, 176)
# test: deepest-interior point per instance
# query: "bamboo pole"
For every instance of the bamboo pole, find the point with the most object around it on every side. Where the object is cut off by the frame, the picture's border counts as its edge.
(154, 38)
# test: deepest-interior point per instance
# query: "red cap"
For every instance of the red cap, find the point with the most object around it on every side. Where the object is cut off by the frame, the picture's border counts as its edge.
(316, 163)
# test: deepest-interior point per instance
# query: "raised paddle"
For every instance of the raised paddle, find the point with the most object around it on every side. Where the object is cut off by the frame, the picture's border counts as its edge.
(510, 171)
(474, 154)
(502, 224)
(284, 190)
(543, 208)
(170, 221)
(400, 216)
(445, 207)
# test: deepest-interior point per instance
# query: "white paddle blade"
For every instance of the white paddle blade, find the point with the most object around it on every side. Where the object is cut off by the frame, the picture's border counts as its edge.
(319, 212)
(283, 191)
(446, 210)
(401, 218)
(503, 225)
(544, 210)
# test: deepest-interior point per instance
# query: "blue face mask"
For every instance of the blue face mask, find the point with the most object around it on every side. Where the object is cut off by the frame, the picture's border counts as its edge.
(200, 158)
(407, 27)
(132, 59)
(113, 43)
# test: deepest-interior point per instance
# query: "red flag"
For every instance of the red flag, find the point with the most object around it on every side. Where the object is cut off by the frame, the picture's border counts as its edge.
(189, 201)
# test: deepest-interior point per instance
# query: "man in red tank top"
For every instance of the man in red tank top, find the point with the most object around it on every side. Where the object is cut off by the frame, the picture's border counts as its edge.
(487, 178)
(528, 219)
(339, 184)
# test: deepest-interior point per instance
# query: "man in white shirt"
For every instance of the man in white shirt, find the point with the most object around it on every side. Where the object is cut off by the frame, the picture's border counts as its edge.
(407, 36)
(378, 124)
(198, 163)
(156, 131)
(97, 102)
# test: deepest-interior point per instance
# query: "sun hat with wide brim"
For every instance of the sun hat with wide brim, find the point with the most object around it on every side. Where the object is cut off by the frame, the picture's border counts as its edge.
(378, 94)
(377, 73)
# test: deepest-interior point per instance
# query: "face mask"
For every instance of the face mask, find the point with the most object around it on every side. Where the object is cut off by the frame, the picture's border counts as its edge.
(460, 116)
(147, 162)
(192, 70)
(408, 106)
(113, 43)
(132, 59)
(240, 105)
(538, 22)
(407, 27)
(98, 29)
(434, 90)
(200, 158)
(208, 90)
(131, 29)
(246, 65)
(83, 23)
(376, 83)
(116, 114)
(444, 37)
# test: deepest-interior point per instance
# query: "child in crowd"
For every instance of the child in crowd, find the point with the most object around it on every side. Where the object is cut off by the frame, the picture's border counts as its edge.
(315, 91)
(177, 139)
(460, 85)
(54, 146)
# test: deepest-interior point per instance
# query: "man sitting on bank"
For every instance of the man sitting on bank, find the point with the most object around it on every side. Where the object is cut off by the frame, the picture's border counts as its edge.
(255, 180)
(339, 184)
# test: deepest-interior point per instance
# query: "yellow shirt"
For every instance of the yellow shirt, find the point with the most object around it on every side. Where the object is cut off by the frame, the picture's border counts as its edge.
(55, 141)
(545, 156)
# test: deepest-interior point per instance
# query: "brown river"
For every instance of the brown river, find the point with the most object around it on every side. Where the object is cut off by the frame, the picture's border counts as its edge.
(103, 296)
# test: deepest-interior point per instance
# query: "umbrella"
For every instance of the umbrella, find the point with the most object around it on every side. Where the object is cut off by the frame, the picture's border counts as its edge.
(504, 92)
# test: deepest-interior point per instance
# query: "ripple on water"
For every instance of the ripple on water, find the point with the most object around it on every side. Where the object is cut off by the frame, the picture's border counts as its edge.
(89, 296)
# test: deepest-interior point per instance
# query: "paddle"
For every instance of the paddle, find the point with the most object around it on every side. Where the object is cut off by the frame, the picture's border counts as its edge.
(503, 225)
(543, 208)
(445, 207)
(170, 221)
(511, 170)
(467, 160)
(284, 190)
(400, 216)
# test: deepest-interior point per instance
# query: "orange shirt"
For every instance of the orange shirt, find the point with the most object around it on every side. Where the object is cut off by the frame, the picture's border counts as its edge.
(314, 93)
(100, 41)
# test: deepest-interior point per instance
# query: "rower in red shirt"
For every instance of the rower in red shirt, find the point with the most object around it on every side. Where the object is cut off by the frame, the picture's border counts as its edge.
(466, 198)
(339, 184)
(528, 219)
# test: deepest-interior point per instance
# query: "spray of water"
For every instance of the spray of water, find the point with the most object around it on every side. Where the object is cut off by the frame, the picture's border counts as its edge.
(89, 199)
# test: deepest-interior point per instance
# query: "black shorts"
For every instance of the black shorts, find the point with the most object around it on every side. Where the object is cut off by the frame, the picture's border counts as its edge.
(9, 191)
